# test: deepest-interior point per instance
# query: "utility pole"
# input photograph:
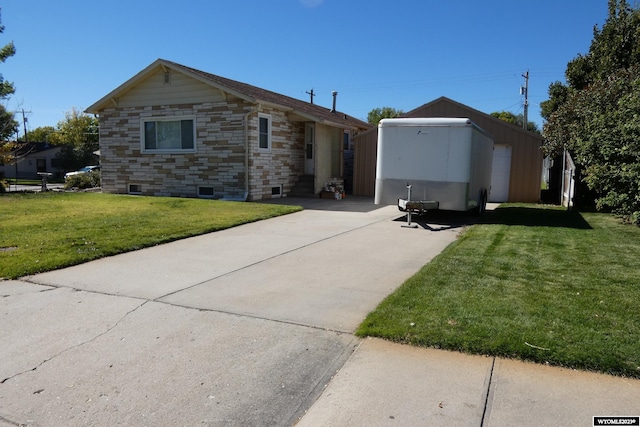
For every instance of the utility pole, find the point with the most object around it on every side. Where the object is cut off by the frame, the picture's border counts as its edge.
(312, 94)
(24, 122)
(524, 90)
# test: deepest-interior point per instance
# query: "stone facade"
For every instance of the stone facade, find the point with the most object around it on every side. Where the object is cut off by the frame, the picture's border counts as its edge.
(218, 164)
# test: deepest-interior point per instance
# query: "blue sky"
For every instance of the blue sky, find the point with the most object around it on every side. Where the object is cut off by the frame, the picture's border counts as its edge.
(399, 54)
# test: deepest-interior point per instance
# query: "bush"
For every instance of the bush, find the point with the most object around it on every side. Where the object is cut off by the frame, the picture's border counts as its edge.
(83, 181)
(3, 186)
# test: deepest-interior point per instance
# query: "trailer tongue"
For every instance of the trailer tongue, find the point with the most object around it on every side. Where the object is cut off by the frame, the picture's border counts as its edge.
(414, 206)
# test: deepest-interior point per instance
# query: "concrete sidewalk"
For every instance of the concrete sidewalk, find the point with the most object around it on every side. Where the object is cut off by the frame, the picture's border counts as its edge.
(253, 326)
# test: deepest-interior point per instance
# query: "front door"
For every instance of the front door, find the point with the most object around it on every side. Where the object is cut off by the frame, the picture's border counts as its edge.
(309, 149)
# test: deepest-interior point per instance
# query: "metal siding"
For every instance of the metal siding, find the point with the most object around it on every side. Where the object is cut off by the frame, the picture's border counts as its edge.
(364, 163)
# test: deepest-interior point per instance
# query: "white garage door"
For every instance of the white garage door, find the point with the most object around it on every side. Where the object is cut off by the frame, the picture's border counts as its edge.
(500, 174)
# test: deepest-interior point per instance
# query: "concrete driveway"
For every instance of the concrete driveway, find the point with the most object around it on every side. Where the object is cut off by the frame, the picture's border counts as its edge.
(240, 327)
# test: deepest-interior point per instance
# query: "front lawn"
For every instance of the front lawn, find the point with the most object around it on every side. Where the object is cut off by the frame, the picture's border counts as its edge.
(530, 282)
(41, 232)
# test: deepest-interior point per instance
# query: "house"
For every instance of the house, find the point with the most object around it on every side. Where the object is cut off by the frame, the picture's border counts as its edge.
(32, 158)
(172, 130)
(517, 156)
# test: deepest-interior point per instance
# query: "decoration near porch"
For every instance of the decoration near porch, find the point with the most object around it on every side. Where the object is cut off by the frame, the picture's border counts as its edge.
(333, 189)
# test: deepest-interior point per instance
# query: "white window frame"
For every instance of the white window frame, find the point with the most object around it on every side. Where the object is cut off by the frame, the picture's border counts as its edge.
(269, 131)
(145, 120)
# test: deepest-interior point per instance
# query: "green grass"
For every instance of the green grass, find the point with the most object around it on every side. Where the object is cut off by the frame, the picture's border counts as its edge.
(41, 232)
(529, 282)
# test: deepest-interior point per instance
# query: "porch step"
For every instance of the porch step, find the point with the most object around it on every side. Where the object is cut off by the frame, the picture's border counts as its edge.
(304, 187)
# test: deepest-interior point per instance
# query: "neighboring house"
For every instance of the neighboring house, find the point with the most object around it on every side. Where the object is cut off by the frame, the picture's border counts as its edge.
(32, 158)
(517, 156)
(172, 130)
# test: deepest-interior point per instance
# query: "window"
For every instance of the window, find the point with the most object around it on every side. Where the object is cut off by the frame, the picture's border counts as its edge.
(168, 134)
(264, 132)
(135, 189)
(206, 192)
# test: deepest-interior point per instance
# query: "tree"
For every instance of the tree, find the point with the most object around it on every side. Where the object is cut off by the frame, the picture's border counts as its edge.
(78, 132)
(596, 114)
(517, 120)
(39, 134)
(6, 88)
(8, 125)
(378, 114)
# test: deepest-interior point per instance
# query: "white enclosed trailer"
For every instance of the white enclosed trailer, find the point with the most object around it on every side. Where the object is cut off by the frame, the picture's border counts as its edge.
(433, 163)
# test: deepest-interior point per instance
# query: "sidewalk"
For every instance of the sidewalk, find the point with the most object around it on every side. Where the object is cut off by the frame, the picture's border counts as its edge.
(387, 384)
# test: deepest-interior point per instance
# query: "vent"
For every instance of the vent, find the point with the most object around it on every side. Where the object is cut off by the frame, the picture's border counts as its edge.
(167, 77)
(276, 191)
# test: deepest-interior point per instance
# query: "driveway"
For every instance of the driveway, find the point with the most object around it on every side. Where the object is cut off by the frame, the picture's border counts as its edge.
(240, 327)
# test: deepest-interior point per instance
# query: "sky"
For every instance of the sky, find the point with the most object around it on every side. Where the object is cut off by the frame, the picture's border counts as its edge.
(400, 54)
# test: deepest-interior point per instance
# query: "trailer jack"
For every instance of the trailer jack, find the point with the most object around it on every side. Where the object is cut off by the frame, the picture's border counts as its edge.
(409, 225)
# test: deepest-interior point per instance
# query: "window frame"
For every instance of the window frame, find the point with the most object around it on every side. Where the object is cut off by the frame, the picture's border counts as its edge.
(145, 120)
(269, 132)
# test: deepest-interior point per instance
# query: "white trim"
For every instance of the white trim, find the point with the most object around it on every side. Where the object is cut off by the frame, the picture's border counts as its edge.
(270, 131)
(144, 120)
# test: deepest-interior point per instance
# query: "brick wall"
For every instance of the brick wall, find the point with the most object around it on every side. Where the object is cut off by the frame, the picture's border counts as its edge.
(219, 158)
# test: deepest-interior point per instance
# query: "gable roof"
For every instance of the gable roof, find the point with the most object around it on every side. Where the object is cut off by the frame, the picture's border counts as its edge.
(27, 148)
(471, 113)
(244, 91)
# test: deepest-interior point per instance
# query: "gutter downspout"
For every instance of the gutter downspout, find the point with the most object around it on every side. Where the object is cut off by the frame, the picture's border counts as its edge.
(244, 197)
(246, 153)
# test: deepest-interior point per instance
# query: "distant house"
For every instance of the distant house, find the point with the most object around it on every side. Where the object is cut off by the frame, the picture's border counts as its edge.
(30, 159)
(172, 130)
(517, 156)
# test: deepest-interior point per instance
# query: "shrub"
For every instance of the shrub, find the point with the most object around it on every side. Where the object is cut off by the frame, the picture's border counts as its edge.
(83, 181)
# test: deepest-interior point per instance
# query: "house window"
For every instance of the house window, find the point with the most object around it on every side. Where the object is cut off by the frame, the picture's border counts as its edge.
(135, 189)
(206, 192)
(264, 132)
(168, 134)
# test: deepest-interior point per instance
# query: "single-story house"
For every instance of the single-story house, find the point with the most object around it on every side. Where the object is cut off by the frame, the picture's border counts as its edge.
(172, 130)
(517, 156)
(31, 158)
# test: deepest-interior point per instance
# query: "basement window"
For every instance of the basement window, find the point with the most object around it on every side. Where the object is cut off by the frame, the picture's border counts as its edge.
(206, 192)
(135, 189)
(276, 191)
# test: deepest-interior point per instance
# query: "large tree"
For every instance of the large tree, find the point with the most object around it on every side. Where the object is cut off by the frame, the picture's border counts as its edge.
(78, 132)
(378, 114)
(595, 114)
